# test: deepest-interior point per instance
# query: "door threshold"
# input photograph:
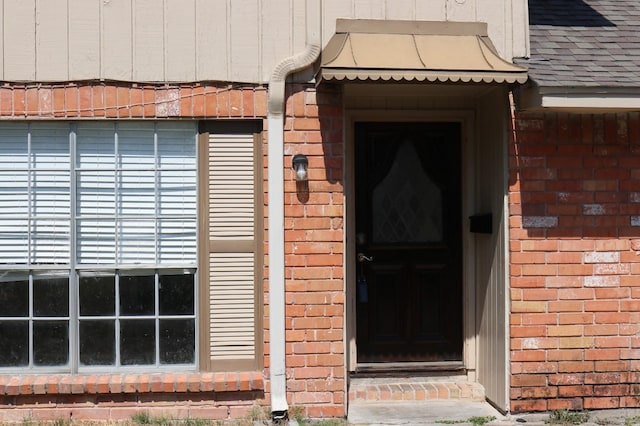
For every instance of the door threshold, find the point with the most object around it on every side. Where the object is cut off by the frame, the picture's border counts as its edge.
(393, 368)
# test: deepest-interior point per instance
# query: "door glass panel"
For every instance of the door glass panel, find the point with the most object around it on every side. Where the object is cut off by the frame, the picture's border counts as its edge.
(406, 204)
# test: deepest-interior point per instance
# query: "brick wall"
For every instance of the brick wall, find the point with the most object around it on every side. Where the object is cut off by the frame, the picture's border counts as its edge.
(575, 259)
(314, 253)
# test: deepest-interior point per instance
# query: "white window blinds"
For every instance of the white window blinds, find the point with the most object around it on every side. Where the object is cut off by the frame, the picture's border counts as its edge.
(123, 193)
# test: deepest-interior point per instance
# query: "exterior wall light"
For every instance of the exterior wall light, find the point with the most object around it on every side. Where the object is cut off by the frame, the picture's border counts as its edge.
(300, 164)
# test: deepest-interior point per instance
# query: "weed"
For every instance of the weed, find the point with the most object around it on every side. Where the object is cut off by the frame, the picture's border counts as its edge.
(566, 417)
(632, 421)
(142, 418)
(480, 420)
(475, 420)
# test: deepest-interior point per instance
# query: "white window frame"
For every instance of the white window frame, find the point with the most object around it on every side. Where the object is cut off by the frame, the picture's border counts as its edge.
(74, 269)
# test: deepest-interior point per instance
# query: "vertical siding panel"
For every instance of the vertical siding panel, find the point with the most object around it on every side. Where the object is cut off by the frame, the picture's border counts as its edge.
(465, 11)
(520, 29)
(181, 55)
(431, 11)
(116, 40)
(84, 39)
(245, 40)
(491, 266)
(369, 9)
(401, 9)
(52, 47)
(493, 12)
(19, 20)
(277, 39)
(212, 55)
(332, 10)
(299, 30)
(148, 40)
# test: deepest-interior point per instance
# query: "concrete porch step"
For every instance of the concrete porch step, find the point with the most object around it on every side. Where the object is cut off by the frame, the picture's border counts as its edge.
(413, 389)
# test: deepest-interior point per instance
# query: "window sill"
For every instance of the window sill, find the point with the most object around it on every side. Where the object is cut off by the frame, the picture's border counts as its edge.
(67, 384)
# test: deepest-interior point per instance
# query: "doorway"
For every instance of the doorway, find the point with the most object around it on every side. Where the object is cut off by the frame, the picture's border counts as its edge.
(408, 223)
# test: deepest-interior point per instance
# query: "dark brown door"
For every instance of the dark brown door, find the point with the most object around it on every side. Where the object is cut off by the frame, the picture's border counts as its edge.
(409, 242)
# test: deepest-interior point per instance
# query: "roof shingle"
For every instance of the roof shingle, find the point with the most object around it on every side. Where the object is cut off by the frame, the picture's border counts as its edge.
(584, 43)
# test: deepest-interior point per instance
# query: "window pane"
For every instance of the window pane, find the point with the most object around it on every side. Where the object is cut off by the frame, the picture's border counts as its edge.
(14, 193)
(14, 241)
(137, 242)
(137, 295)
(137, 342)
(136, 149)
(137, 196)
(97, 342)
(96, 193)
(177, 241)
(14, 341)
(177, 192)
(176, 294)
(177, 341)
(51, 195)
(13, 146)
(50, 146)
(14, 297)
(95, 146)
(50, 296)
(96, 241)
(50, 241)
(177, 145)
(50, 343)
(97, 295)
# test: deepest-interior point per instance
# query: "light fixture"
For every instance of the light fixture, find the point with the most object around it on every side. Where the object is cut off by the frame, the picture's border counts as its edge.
(300, 164)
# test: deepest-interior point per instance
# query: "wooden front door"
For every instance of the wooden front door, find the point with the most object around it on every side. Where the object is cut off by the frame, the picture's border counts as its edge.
(408, 242)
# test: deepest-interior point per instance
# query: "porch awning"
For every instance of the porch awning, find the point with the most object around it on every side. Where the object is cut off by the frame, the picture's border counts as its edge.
(375, 50)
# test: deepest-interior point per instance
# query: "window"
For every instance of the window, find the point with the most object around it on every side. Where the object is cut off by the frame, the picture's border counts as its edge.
(98, 245)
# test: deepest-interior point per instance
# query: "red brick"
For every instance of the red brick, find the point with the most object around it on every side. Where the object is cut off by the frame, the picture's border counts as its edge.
(85, 93)
(98, 100)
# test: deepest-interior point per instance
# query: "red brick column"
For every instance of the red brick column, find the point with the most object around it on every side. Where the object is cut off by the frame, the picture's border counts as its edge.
(314, 247)
(574, 201)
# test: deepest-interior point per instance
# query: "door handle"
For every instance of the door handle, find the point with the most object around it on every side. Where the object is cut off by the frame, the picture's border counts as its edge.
(363, 258)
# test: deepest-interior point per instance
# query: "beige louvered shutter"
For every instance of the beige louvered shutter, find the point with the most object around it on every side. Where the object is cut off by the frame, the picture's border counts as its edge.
(231, 262)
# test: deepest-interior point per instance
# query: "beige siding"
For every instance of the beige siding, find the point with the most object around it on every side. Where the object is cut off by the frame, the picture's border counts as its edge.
(148, 40)
(212, 39)
(200, 40)
(490, 250)
(19, 34)
(115, 49)
(51, 38)
(84, 39)
(180, 38)
(245, 27)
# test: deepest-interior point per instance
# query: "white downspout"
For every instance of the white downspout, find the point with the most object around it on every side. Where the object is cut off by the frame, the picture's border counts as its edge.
(275, 153)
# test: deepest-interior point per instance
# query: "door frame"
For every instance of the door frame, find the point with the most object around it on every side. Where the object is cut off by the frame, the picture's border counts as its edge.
(466, 119)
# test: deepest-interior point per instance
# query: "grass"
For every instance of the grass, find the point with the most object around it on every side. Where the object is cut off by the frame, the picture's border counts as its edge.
(631, 421)
(257, 415)
(475, 420)
(566, 417)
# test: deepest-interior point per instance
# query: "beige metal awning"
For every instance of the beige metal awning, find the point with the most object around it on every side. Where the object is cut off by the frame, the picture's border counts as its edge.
(374, 50)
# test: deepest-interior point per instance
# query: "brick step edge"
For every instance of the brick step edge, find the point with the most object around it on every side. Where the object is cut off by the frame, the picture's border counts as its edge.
(416, 391)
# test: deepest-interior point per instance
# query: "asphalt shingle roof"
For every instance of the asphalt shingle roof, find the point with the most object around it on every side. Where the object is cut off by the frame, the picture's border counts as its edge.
(584, 43)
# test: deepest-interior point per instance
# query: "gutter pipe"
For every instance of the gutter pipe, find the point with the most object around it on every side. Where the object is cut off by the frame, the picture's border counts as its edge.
(275, 186)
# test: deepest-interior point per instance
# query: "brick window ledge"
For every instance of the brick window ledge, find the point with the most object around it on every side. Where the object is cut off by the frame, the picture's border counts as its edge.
(67, 384)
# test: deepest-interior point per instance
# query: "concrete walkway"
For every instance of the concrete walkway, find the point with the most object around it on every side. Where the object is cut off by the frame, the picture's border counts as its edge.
(458, 412)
